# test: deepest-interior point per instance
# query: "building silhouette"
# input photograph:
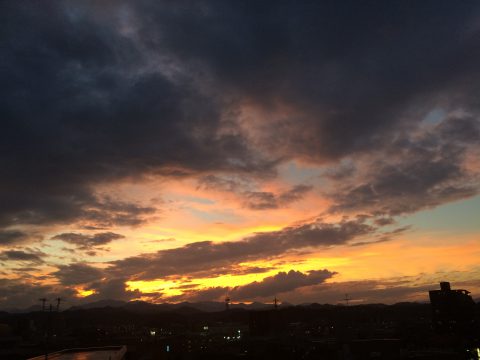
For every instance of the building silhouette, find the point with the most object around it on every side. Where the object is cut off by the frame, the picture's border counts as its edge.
(453, 311)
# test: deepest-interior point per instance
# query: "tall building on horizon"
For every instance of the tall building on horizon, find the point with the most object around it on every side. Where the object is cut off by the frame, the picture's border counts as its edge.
(453, 311)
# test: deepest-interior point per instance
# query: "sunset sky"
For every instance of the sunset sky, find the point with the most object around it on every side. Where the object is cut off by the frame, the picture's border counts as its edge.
(173, 151)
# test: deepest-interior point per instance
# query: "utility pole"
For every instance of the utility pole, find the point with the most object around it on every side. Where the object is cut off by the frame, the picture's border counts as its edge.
(49, 320)
(59, 300)
(47, 334)
(347, 299)
(275, 303)
(43, 300)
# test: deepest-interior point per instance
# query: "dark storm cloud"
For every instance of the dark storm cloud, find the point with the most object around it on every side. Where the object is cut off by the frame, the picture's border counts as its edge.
(207, 256)
(93, 93)
(20, 255)
(418, 172)
(348, 74)
(77, 273)
(342, 80)
(270, 286)
(82, 105)
(88, 242)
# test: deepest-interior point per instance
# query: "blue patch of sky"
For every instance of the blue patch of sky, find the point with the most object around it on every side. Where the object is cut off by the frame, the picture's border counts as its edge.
(461, 217)
(434, 116)
(199, 200)
(294, 173)
(216, 216)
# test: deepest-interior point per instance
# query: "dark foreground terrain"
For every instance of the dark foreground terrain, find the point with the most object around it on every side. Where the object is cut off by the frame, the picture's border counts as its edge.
(401, 331)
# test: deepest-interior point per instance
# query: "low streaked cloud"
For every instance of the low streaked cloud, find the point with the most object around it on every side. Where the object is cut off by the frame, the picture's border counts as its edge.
(9, 237)
(77, 273)
(254, 199)
(210, 256)
(261, 200)
(88, 242)
(268, 287)
(21, 255)
(421, 171)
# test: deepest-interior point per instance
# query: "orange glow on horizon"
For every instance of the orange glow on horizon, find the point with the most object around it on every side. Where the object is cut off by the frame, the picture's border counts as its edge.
(84, 293)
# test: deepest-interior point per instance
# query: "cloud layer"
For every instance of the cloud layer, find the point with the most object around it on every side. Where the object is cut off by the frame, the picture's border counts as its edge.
(209, 257)
(88, 242)
(371, 107)
(89, 99)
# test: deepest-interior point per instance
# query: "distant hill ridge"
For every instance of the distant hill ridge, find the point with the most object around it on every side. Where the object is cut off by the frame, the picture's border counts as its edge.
(184, 307)
(143, 306)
